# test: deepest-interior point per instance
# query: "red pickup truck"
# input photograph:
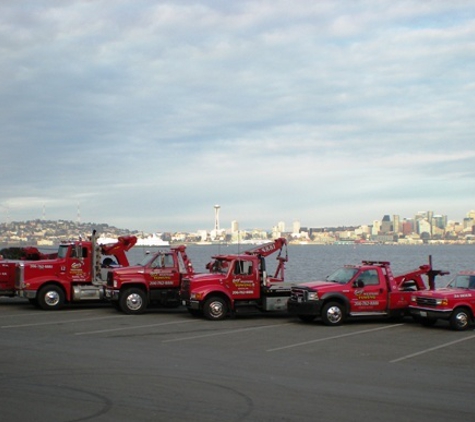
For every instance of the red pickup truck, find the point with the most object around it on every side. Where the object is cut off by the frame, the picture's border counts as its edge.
(455, 303)
(366, 290)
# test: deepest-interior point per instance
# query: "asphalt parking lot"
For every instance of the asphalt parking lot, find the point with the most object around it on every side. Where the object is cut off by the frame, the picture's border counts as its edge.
(92, 363)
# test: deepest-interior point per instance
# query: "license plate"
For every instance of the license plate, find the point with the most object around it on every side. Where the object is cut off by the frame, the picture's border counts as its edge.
(423, 314)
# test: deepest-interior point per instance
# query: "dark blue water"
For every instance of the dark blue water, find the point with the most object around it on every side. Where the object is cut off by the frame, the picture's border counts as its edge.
(315, 262)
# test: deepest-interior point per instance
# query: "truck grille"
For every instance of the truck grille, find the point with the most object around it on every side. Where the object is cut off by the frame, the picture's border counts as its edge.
(298, 294)
(185, 289)
(110, 279)
(426, 301)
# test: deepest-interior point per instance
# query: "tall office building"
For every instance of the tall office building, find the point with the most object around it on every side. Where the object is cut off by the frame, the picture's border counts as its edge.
(386, 225)
(376, 227)
(397, 227)
(407, 227)
(439, 221)
(296, 227)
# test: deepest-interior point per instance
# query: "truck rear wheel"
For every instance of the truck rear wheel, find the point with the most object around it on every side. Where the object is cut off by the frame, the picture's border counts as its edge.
(333, 313)
(133, 301)
(460, 319)
(51, 297)
(215, 308)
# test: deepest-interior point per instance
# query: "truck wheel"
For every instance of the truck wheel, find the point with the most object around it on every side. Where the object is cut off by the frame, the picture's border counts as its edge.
(307, 318)
(333, 313)
(215, 308)
(460, 319)
(133, 301)
(51, 297)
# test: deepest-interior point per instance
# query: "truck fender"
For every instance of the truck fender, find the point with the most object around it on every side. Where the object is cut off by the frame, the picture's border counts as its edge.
(135, 283)
(336, 297)
(217, 292)
(39, 283)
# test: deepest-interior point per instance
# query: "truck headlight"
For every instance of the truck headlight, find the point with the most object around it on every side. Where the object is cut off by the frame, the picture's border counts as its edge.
(442, 302)
(312, 296)
(196, 296)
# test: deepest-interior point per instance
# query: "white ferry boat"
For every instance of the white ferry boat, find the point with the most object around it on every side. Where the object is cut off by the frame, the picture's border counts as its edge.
(153, 240)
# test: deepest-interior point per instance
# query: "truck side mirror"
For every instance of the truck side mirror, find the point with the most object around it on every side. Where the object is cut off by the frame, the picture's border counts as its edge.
(358, 283)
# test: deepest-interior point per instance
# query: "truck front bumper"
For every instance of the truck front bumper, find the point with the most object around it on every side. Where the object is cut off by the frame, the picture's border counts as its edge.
(112, 295)
(193, 304)
(304, 308)
(26, 294)
(430, 313)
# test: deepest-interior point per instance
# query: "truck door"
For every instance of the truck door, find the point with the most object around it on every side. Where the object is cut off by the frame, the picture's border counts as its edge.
(243, 281)
(369, 292)
(77, 264)
(163, 272)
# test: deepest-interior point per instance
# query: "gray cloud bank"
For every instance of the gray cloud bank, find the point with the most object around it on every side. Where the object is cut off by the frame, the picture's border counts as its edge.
(147, 113)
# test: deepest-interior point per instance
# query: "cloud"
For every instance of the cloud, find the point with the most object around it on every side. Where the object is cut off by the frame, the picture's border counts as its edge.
(148, 113)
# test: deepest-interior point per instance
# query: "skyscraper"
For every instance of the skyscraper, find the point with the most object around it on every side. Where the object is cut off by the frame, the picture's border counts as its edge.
(386, 225)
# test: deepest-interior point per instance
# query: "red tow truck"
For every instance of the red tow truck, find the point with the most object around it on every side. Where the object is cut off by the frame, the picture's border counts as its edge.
(366, 290)
(76, 274)
(238, 283)
(455, 303)
(8, 266)
(155, 281)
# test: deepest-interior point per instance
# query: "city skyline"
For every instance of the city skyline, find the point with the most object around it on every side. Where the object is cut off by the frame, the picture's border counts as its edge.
(234, 225)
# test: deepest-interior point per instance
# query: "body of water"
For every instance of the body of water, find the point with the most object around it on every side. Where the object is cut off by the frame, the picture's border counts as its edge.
(315, 262)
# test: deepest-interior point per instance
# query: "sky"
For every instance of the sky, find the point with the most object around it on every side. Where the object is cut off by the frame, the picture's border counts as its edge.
(145, 114)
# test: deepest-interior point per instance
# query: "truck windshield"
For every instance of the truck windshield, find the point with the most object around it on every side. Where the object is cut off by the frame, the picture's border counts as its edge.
(63, 251)
(342, 275)
(463, 282)
(146, 259)
(219, 266)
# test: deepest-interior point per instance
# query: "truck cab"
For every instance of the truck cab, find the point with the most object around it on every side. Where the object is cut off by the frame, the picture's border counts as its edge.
(454, 303)
(155, 281)
(366, 290)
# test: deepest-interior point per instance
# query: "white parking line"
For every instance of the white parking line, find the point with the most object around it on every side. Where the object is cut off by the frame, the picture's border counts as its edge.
(224, 333)
(305, 343)
(132, 327)
(60, 322)
(45, 313)
(413, 355)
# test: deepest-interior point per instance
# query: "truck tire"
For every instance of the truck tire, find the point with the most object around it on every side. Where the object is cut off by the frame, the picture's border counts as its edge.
(133, 301)
(215, 308)
(333, 314)
(460, 319)
(51, 297)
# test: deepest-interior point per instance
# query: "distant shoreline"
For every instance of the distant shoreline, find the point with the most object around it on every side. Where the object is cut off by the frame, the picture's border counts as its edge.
(4, 245)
